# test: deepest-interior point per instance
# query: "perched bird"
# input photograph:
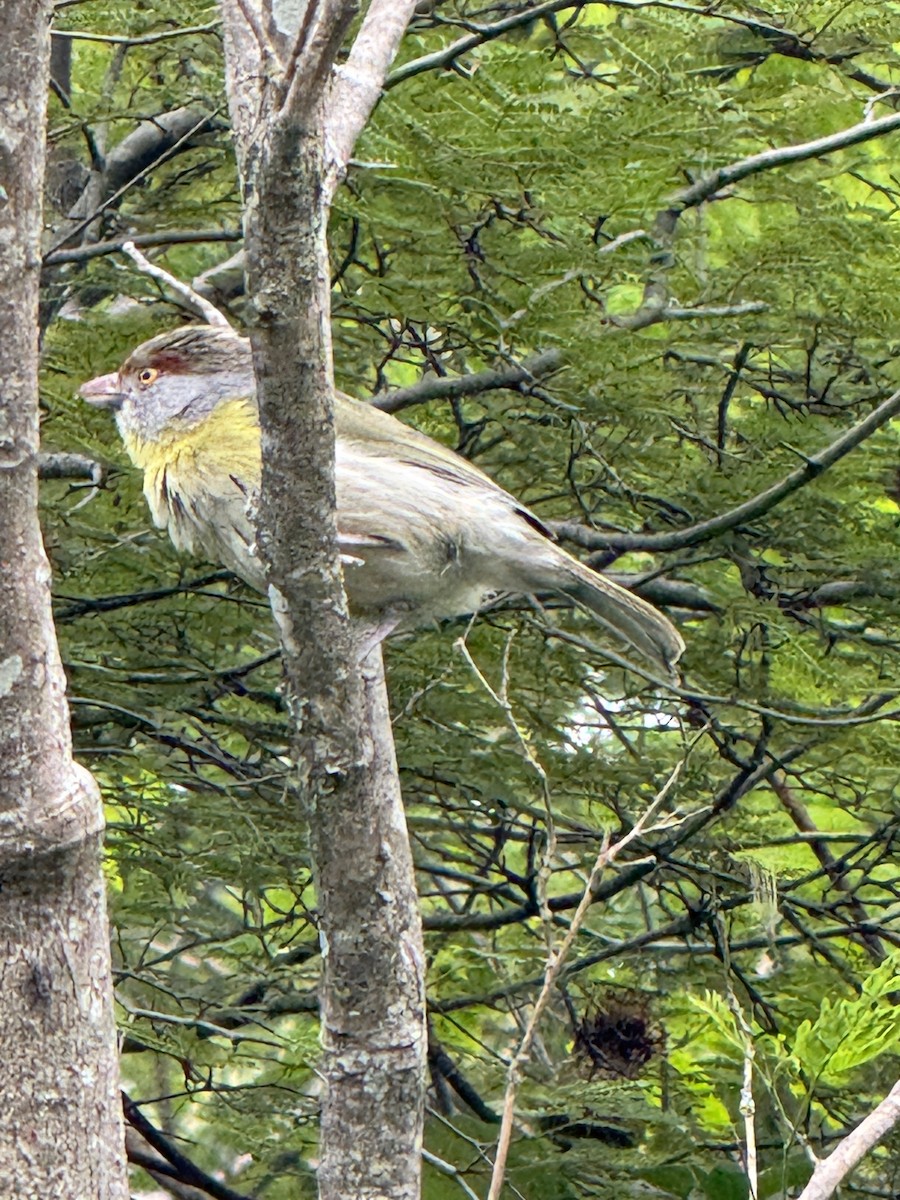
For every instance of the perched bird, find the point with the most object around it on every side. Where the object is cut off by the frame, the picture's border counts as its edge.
(423, 534)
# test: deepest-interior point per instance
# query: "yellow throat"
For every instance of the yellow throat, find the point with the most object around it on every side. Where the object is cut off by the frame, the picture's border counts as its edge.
(186, 462)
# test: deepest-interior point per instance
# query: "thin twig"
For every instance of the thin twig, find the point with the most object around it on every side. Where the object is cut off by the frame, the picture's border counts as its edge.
(747, 1105)
(757, 506)
(172, 237)
(208, 1028)
(448, 1169)
(174, 149)
(79, 607)
(555, 962)
(502, 700)
(146, 39)
(871, 710)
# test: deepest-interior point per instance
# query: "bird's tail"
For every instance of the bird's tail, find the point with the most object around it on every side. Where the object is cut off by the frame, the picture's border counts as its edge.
(631, 619)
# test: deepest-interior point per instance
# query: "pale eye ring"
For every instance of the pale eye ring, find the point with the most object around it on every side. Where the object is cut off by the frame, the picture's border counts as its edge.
(147, 376)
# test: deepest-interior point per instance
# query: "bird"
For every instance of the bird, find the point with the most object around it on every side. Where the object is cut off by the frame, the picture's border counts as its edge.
(423, 534)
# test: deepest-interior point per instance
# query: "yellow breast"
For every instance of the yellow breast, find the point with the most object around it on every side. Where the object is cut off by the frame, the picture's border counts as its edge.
(188, 469)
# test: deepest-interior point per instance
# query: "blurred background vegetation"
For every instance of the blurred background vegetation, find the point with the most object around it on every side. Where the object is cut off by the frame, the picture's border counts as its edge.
(507, 199)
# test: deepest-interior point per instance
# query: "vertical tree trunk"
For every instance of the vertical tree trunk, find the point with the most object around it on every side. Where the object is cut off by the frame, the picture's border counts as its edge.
(373, 1005)
(373, 1002)
(60, 1132)
(373, 1011)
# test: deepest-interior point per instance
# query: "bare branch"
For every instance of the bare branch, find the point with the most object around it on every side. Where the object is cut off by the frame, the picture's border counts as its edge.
(79, 607)
(480, 35)
(708, 187)
(438, 388)
(155, 140)
(870, 711)
(187, 1171)
(202, 307)
(172, 237)
(654, 306)
(652, 312)
(60, 465)
(841, 592)
(309, 68)
(835, 871)
(670, 593)
(781, 41)
(152, 142)
(147, 39)
(446, 1168)
(358, 84)
(831, 1171)
(630, 235)
(758, 506)
(224, 281)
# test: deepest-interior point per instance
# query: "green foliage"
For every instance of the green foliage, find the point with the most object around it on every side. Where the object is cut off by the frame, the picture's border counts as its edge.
(477, 225)
(848, 1033)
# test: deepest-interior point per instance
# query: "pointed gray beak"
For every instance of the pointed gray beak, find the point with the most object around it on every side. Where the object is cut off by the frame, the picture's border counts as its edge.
(104, 391)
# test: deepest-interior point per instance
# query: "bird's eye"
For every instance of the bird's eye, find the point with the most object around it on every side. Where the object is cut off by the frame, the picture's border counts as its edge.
(147, 376)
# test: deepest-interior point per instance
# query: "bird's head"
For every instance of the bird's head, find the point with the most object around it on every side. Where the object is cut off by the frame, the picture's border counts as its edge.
(174, 381)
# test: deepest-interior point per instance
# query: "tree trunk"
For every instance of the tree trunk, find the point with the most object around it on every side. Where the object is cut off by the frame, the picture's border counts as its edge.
(373, 1009)
(61, 1132)
(373, 1001)
(373, 1005)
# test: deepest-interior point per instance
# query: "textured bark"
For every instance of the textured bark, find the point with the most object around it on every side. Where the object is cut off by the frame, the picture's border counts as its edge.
(373, 1018)
(373, 999)
(831, 1172)
(61, 1130)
